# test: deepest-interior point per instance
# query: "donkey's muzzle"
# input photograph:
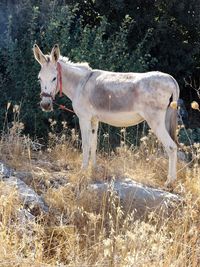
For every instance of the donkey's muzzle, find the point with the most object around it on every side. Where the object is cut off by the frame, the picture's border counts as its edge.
(46, 105)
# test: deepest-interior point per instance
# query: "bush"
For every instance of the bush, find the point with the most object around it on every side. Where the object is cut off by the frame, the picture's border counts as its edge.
(126, 43)
(79, 42)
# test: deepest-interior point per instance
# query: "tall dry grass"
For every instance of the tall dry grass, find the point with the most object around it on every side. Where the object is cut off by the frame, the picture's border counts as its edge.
(81, 230)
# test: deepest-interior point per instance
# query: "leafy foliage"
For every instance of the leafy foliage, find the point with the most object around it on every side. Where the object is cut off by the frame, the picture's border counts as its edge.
(117, 35)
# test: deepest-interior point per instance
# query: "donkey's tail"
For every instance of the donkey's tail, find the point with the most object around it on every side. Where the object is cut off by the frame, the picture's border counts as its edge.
(171, 123)
(171, 118)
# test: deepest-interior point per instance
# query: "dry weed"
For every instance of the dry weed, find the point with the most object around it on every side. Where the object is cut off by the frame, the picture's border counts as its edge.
(82, 229)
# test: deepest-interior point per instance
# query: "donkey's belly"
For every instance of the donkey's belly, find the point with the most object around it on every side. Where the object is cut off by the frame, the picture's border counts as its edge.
(123, 119)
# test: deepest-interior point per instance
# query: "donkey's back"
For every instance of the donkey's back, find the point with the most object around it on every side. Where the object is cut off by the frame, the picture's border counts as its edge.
(129, 93)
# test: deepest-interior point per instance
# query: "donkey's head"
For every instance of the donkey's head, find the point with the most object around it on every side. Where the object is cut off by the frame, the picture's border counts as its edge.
(48, 75)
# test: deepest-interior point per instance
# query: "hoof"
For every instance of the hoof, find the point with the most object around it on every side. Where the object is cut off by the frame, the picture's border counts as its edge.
(84, 167)
(169, 184)
(97, 168)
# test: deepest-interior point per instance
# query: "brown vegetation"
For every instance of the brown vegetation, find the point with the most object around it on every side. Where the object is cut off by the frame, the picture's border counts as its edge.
(75, 231)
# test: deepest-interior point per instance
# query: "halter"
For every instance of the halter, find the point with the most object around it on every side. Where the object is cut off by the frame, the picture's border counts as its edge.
(58, 86)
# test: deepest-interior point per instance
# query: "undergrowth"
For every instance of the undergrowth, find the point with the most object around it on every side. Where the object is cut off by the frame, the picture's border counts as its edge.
(82, 229)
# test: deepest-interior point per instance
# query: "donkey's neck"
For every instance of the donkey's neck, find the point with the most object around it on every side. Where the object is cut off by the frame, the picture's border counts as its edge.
(72, 78)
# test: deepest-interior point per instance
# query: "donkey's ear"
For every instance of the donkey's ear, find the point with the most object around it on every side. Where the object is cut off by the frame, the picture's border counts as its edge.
(39, 56)
(55, 53)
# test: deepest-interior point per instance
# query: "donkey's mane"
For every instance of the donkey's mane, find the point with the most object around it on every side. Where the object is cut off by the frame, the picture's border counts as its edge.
(66, 60)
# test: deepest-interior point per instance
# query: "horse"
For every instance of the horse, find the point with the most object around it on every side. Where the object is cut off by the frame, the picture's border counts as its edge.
(116, 98)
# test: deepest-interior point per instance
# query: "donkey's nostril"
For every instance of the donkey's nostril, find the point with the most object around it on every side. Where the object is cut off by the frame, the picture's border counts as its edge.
(45, 105)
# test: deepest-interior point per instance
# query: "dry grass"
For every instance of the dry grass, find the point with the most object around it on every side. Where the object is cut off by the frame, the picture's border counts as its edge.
(79, 231)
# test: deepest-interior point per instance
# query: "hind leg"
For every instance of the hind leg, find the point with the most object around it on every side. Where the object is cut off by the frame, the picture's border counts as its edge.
(157, 123)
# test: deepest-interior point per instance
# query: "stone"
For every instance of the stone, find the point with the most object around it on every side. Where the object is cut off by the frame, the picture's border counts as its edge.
(139, 198)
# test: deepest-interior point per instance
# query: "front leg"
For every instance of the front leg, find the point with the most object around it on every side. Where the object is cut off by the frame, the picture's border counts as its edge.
(93, 138)
(85, 126)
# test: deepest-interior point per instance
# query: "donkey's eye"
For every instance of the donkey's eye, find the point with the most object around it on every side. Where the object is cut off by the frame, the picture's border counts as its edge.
(54, 79)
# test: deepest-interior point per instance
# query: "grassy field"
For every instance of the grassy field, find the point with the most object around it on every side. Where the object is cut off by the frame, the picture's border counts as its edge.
(75, 231)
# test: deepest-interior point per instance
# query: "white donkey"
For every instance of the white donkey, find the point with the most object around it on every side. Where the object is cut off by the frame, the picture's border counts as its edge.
(118, 99)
